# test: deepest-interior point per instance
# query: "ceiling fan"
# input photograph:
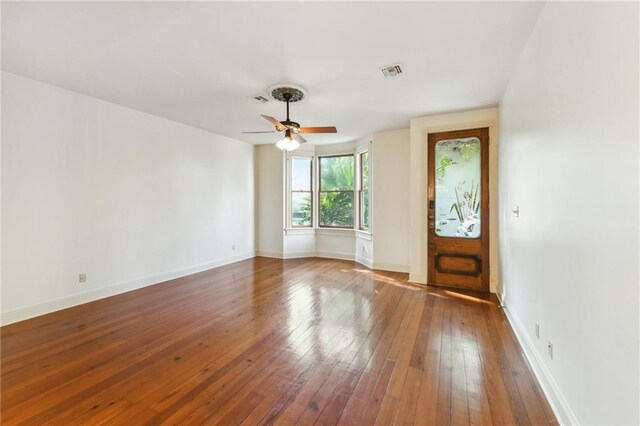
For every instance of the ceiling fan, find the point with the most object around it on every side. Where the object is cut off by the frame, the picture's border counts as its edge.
(292, 130)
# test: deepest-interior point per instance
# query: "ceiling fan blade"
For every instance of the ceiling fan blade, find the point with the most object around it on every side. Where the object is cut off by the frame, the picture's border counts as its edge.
(327, 129)
(275, 122)
(299, 138)
(266, 131)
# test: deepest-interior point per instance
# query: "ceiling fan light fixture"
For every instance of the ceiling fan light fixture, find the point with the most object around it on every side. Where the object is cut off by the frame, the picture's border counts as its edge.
(288, 143)
(292, 145)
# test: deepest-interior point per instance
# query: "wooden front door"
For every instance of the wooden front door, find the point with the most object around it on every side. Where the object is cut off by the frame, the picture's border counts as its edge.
(458, 209)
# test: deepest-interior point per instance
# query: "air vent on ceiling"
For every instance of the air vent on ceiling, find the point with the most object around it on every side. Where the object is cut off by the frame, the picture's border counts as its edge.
(261, 99)
(392, 70)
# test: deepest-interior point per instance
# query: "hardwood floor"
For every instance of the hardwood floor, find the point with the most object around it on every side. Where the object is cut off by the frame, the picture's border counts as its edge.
(266, 341)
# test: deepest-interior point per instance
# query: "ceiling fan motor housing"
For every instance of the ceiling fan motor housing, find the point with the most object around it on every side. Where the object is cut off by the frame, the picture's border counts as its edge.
(291, 123)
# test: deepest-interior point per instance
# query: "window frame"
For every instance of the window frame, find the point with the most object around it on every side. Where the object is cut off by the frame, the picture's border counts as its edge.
(361, 190)
(292, 191)
(352, 191)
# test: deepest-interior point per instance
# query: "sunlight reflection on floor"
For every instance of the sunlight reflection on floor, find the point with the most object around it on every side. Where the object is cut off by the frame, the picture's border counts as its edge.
(340, 315)
(388, 280)
(467, 297)
(339, 319)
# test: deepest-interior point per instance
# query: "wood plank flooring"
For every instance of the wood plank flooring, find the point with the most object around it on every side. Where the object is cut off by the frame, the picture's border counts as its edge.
(266, 341)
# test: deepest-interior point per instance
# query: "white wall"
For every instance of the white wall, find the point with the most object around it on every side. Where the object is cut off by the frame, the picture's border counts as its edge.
(391, 206)
(569, 159)
(336, 244)
(363, 251)
(128, 198)
(269, 169)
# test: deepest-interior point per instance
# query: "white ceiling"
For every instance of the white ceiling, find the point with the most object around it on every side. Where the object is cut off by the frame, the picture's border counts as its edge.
(200, 63)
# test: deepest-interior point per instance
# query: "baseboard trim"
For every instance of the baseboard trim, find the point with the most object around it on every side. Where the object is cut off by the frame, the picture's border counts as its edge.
(335, 255)
(417, 278)
(299, 254)
(272, 254)
(48, 307)
(364, 262)
(551, 390)
(391, 267)
(303, 254)
(338, 255)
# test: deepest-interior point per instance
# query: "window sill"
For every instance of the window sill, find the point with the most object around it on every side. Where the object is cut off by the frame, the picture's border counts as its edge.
(343, 232)
(364, 235)
(336, 231)
(299, 231)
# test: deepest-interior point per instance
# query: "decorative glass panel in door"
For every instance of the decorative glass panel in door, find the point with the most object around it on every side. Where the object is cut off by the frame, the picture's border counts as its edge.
(458, 188)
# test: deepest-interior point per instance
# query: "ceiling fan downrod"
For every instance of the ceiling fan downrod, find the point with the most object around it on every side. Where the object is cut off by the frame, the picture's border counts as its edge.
(287, 97)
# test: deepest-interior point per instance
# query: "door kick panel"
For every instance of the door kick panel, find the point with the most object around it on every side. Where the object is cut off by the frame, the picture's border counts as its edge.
(461, 264)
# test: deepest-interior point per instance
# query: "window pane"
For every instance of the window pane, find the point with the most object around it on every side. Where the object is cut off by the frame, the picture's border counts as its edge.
(364, 195)
(336, 173)
(301, 208)
(336, 209)
(364, 159)
(301, 174)
(365, 209)
(457, 169)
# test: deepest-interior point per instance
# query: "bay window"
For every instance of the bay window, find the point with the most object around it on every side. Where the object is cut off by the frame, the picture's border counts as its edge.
(328, 191)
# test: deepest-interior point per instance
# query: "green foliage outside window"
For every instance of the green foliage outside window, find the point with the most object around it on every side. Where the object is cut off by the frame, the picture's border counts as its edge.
(336, 191)
(300, 209)
(301, 192)
(364, 200)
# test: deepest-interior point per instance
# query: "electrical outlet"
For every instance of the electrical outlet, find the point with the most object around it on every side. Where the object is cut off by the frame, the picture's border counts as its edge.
(82, 278)
(537, 330)
(233, 247)
(550, 349)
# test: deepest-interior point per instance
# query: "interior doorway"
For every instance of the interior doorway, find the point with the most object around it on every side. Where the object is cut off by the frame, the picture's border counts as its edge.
(458, 209)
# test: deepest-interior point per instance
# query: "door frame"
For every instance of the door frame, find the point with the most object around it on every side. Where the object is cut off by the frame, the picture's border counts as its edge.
(485, 138)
